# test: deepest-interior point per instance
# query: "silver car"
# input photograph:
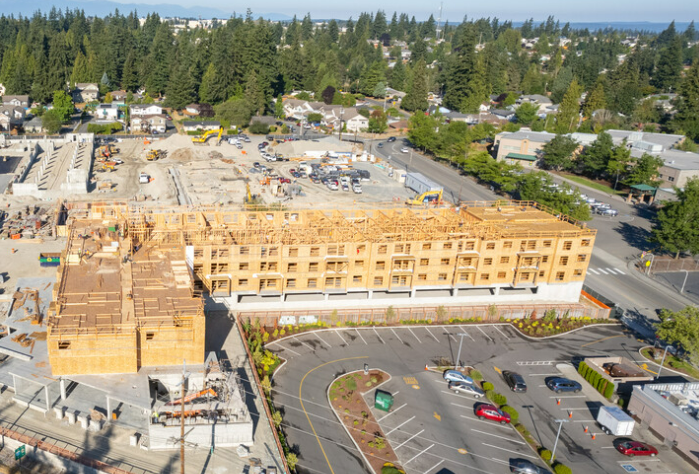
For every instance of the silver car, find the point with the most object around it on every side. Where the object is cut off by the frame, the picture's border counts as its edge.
(608, 212)
(522, 466)
(458, 387)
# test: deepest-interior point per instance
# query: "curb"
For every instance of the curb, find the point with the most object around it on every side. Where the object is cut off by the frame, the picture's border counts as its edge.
(658, 284)
(664, 367)
(327, 396)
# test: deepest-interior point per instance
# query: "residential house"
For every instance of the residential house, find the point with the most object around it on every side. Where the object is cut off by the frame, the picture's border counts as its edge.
(149, 123)
(85, 92)
(203, 126)
(13, 117)
(16, 100)
(297, 109)
(539, 100)
(354, 122)
(193, 109)
(145, 109)
(119, 97)
(107, 113)
(35, 125)
(503, 114)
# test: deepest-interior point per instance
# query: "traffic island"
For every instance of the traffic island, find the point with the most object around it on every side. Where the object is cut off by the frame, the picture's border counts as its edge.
(346, 396)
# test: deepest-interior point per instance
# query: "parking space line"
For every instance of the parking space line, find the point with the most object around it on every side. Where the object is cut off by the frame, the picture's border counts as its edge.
(389, 414)
(584, 421)
(479, 328)
(570, 396)
(401, 340)
(433, 336)
(419, 454)
(463, 331)
(379, 336)
(411, 332)
(305, 344)
(543, 375)
(450, 335)
(510, 451)
(497, 436)
(460, 406)
(459, 395)
(433, 467)
(321, 339)
(574, 409)
(405, 422)
(490, 423)
(412, 437)
(362, 337)
(337, 331)
(503, 334)
(290, 350)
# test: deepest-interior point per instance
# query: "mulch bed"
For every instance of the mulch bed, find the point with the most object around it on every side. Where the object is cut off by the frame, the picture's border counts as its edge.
(346, 398)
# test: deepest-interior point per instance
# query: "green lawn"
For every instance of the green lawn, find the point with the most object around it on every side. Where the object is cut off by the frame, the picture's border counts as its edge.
(672, 362)
(592, 184)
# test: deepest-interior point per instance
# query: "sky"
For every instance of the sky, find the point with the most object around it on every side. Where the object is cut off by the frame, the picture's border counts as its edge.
(516, 10)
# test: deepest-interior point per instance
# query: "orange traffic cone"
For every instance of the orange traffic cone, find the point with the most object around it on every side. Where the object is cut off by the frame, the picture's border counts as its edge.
(593, 436)
(426, 367)
(570, 414)
(586, 429)
(558, 401)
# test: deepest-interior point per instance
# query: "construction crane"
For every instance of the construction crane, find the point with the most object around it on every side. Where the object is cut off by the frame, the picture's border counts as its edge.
(426, 198)
(201, 139)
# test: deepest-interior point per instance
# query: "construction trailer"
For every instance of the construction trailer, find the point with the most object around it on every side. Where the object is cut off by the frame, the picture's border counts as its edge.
(420, 184)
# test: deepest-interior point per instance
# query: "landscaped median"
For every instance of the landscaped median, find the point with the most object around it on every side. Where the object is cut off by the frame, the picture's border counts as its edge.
(346, 397)
(673, 363)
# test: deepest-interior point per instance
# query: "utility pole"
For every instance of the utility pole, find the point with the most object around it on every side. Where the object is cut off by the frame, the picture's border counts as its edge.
(458, 357)
(183, 393)
(560, 425)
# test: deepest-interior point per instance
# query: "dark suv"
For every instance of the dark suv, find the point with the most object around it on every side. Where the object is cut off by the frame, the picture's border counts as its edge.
(515, 381)
(560, 384)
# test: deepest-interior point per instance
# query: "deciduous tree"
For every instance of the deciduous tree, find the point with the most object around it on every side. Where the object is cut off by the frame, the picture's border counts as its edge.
(681, 328)
(558, 153)
(676, 228)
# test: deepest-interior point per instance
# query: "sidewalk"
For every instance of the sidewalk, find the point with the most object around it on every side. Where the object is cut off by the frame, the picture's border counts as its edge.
(587, 188)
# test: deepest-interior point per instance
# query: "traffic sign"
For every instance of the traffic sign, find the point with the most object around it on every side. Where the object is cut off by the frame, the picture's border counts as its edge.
(20, 452)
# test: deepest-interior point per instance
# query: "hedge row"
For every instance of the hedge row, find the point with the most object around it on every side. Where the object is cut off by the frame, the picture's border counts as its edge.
(107, 128)
(601, 384)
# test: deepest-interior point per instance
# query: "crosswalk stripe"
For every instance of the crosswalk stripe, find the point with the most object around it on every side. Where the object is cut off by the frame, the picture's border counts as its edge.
(603, 271)
(610, 270)
(593, 271)
(619, 271)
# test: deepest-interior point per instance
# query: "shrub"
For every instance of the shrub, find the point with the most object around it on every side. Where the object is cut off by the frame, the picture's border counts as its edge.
(476, 375)
(275, 334)
(545, 454)
(488, 386)
(609, 390)
(562, 469)
(390, 469)
(258, 128)
(351, 384)
(107, 128)
(514, 414)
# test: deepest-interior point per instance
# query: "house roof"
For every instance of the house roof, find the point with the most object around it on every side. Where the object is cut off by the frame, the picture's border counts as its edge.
(34, 122)
(541, 99)
(352, 113)
(539, 137)
(7, 108)
(202, 124)
(502, 112)
(643, 188)
(145, 106)
(193, 106)
(150, 116)
(666, 140)
(674, 159)
(85, 85)
(108, 106)
(21, 98)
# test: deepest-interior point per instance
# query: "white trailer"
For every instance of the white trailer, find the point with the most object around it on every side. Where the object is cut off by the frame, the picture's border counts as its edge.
(613, 420)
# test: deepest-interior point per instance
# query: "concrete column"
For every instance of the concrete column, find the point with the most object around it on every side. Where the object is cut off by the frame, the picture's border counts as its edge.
(455, 292)
(63, 389)
(325, 296)
(109, 409)
(371, 294)
(413, 292)
(497, 290)
(46, 393)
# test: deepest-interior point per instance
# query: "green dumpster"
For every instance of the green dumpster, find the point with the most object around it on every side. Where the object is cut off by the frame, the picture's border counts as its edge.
(383, 400)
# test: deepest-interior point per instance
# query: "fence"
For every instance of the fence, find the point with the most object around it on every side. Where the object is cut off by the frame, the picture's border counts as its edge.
(669, 264)
(430, 315)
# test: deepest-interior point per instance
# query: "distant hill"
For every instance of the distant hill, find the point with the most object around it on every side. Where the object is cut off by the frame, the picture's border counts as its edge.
(104, 8)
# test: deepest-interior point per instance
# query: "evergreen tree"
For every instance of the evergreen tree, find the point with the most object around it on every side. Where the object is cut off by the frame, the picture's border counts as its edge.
(159, 61)
(306, 27)
(81, 71)
(676, 228)
(58, 73)
(371, 77)
(569, 110)
(254, 96)
(397, 79)
(416, 97)
(645, 171)
(667, 74)
(478, 91)
(595, 159)
(532, 83)
(687, 116)
(379, 26)
(595, 100)
(129, 76)
(461, 70)
(333, 31)
(558, 153)
(180, 90)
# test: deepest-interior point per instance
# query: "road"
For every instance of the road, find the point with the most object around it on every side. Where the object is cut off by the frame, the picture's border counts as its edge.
(429, 425)
(619, 239)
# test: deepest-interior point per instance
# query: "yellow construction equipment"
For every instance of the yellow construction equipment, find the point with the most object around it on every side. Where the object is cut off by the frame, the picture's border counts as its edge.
(152, 155)
(201, 139)
(248, 197)
(426, 198)
(108, 165)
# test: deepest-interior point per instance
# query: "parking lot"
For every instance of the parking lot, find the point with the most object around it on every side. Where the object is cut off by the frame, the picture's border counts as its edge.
(434, 430)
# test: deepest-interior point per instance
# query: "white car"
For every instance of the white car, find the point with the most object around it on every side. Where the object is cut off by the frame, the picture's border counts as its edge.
(357, 189)
(405, 150)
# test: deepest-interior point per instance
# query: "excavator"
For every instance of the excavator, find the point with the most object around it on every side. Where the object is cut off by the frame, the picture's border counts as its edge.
(426, 198)
(201, 139)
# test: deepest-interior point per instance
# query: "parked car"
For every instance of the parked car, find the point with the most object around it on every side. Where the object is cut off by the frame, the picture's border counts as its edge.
(515, 381)
(458, 387)
(380, 145)
(456, 376)
(522, 466)
(345, 187)
(391, 139)
(256, 164)
(405, 150)
(254, 170)
(560, 384)
(636, 448)
(357, 189)
(608, 212)
(491, 412)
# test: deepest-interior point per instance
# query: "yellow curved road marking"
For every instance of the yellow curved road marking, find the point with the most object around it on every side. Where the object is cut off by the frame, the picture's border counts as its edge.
(603, 339)
(304, 408)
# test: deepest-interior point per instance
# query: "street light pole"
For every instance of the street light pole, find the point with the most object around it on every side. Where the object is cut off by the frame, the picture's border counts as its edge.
(686, 274)
(662, 362)
(458, 356)
(560, 425)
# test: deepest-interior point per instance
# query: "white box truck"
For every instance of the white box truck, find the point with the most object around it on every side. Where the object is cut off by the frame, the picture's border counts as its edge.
(613, 420)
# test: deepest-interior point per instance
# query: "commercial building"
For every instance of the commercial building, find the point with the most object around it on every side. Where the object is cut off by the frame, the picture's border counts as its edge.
(522, 147)
(670, 411)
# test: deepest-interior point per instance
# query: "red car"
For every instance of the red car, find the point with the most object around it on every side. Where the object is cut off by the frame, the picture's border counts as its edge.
(491, 412)
(635, 448)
